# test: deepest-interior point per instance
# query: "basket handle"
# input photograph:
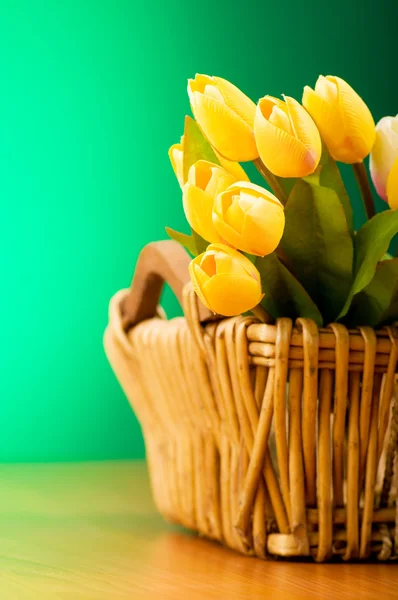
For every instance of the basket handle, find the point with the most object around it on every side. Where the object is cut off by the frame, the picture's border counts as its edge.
(158, 263)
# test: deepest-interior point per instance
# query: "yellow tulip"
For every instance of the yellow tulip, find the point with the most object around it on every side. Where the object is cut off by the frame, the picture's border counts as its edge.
(249, 218)
(384, 153)
(205, 181)
(225, 115)
(392, 186)
(343, 119)
(287, 138)
(176, 155)
(225, 280)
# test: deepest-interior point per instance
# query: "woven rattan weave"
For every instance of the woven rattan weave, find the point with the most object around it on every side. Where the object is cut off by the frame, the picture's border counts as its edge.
(274, 439)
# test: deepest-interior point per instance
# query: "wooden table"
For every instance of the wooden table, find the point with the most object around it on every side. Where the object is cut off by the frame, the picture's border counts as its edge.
(90, 532)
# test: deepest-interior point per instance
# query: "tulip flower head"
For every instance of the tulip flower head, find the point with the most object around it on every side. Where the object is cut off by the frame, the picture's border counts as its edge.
(343, 119)
(205, 181)
(287, 138)
(384, 153)
(225, 280)
(249, 218)
(225, 115)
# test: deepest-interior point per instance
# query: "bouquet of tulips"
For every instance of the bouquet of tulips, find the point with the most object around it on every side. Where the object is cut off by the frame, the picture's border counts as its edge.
(292, 250)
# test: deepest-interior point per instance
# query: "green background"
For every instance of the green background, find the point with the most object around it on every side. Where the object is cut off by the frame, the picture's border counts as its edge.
(92, 95)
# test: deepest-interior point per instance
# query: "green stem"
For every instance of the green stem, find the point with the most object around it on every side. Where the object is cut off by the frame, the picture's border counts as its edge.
(362, 178)
(271, 180)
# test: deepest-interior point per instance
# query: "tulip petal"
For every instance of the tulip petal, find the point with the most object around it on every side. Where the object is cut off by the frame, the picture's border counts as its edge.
(358, 121)
(226, 264)
(245, 262)
(200, 173)
(176, 157)
(227, 233)
(267, 105)
(214, 92)
(198, 84)
(234, 216)
(237, 100)
(199, 279)
(327, 89)
(198, 207)
(392, 186)
(231, 295)
(304, 128)
(209, 177)
(280, 119)
(328, 120)
(208, 263)
(226, 131)
(263, 228)
(233, 167)
(282, 154)
(254, 189)
(220, 180)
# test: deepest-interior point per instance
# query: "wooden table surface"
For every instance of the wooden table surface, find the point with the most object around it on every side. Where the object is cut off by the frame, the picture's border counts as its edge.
(90, 531)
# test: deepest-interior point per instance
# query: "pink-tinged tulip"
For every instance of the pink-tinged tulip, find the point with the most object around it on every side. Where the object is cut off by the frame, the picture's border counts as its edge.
(287, 138)
(384, 153)
(343, 119)
(226, 281)
(249, 218)
(225, 115)
(205, 181)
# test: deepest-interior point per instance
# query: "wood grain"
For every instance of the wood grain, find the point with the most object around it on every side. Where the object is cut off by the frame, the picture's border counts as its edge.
(91, 532)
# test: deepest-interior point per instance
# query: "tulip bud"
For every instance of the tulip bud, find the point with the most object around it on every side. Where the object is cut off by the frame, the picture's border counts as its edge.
(249, 218)
(176, 155)
(225, 280)
(225, 115)
(343, 119)
(287, 138)
(384, 153)
(205, 181)
(392, 186)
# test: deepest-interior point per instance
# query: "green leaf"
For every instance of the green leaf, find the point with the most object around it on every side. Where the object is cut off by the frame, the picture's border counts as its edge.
(371, 243)
(287, 184)
(196, 147)
(378, 302)
(284, 296)
(200, 244)
(194, 243)
(330, 177)
(317, 246)
(187, 241)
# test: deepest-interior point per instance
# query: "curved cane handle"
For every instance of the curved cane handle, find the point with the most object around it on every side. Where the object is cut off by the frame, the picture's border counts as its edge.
(158, 263)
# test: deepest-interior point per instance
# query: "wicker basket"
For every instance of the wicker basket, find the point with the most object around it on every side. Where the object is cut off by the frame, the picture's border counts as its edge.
(274, 439)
